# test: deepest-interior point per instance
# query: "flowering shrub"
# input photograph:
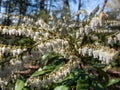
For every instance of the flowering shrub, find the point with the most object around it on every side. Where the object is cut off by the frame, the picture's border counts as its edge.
(66, 56)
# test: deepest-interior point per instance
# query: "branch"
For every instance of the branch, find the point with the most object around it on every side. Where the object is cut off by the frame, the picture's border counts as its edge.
(104, 4)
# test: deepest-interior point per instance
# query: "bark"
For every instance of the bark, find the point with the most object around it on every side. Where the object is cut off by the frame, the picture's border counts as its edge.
(79, 6)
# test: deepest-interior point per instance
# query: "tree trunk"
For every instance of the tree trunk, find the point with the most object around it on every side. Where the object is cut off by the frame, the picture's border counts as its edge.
(79, 6)
(0, 5)
(41, 4)
(66, 4)
(23, 6)
(8, 13)
(50, 6)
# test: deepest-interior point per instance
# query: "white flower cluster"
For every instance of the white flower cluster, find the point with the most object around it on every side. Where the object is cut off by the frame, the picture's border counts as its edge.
(23, 31)
(53, 77)
(42, 24)
(118, 37)
(105, 31)
(113, 22)
(87, 30)
(53, 45)
(82, 31)
(12, 50)
(3, 84)
(113, 40)
(104, 54)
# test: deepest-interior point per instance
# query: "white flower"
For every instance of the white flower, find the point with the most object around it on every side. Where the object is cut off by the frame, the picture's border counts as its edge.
(14, 52)
(82, 31)
(13, 31)
(37, 33)
(77, 35)
(4, 31)
(90, 52)
(66, 71)
(12, 62)
(46, 35)
(94, 22)
(105, 55)
(62, 52)
(19, 32)
(110, 41)
(118, 37)
(2, 84)
(87, 30)
(10, 32)
(66, 44)
(59, 41)
(101, 55)
(96, 53)
(55, 44)
(19, 51)
(108, 59)
(3, 49)
(35, 38)
(80, 51)
(49, 46)
(115, 40)
(84, 51)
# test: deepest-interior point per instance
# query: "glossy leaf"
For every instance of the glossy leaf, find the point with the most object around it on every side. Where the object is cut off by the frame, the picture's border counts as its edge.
(82, 83)
(61, 88)
(41, 72)
(113, 81)
(19, 84)
(99, 65)
(52, 58)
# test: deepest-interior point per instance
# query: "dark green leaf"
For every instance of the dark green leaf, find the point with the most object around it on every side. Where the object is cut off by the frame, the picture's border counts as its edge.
(52, 58)
(19, 85)
(99, 65)
(82, 82)
(103, 74)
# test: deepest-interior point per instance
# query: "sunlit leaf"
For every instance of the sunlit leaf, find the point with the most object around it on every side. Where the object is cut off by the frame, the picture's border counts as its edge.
(70, 76)
(61, 88)
(19, 85)
(45, 56)
(41, 72)
(113, 81)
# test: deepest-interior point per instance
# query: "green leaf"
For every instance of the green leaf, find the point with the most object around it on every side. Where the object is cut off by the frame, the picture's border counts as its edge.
(99, 65)
(49, 67)
(82, 82)
(70, 76)
(25, 89)
(45, 56)
(61, 88)
(19, 85)
(41, 72)
(103, 74)
(113, 81)
(52, 58)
